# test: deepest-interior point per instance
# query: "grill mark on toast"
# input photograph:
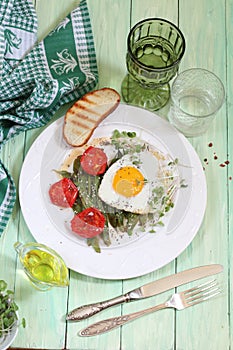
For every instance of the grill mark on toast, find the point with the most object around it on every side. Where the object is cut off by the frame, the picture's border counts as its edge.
(80, 115)
(78, 108)
(79, 123)
(88, 100)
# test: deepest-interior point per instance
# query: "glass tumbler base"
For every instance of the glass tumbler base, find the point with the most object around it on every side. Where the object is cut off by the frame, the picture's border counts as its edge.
(151, 99)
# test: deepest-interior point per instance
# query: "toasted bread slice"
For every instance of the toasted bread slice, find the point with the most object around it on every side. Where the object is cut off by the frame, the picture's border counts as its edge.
(86, 114)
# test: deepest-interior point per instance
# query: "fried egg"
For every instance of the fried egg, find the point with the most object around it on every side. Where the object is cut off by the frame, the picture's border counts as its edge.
(129, 183)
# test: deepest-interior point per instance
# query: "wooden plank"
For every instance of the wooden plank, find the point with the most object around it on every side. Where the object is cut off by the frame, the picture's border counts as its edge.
(148, 332)
(110, 23)
(167, 9)
(26, 296)
(50, 13)
(205, 49)
(229, 183)
(11, 157)
(29, 298)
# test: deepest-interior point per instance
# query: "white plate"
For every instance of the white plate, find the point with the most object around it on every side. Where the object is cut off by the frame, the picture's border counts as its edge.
(48, 224)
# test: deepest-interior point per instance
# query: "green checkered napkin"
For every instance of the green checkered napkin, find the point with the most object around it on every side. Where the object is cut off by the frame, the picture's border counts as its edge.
(36, 79)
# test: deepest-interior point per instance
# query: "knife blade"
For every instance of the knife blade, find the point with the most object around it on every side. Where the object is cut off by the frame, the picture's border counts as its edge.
(147, 290)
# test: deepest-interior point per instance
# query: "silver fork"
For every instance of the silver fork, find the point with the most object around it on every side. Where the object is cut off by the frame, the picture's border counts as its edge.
(178, 301)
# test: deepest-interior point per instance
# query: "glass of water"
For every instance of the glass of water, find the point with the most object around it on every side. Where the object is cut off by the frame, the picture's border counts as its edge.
(196, 95)
(155, 48)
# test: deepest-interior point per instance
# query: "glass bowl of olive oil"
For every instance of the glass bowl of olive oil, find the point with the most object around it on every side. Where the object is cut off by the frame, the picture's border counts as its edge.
(44, 267)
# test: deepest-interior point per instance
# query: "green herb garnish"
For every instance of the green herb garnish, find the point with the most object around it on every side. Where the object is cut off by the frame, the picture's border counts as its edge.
(8, 310)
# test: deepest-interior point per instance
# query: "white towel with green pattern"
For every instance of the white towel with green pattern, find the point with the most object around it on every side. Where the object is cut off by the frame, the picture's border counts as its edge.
(37, 79)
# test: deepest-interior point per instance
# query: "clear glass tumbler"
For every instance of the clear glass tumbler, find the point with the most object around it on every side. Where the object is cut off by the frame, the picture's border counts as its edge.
(155, 49)
(196, 96)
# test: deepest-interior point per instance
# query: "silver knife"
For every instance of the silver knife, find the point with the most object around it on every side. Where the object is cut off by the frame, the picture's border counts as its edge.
(146, 291)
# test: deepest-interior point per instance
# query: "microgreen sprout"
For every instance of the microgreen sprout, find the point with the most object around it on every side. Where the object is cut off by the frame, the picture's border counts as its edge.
(8, 310)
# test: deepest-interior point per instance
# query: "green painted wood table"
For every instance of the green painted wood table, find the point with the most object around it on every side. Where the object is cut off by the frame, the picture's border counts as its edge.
(207, 26)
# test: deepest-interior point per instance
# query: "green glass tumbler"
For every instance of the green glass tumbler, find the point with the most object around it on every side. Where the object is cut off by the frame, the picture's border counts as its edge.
(155, 48)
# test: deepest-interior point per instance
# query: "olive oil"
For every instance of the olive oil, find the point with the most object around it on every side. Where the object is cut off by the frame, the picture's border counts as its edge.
(44, 267)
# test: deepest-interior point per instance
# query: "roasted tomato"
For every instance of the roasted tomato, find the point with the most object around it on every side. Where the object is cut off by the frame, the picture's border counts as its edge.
(88, 223)
(94, 161)
(63, 193)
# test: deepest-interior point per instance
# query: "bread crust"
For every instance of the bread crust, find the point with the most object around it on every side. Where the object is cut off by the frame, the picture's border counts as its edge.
(87, 113)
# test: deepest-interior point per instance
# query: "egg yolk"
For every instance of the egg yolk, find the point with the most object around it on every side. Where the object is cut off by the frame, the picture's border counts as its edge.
(128, 181)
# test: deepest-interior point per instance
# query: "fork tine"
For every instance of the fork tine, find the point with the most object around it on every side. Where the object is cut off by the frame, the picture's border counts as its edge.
(201, 293)
(204, 298)
(201, 288)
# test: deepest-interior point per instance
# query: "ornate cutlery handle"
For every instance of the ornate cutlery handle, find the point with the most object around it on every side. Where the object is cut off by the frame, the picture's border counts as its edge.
(114, 322)
(83, 312)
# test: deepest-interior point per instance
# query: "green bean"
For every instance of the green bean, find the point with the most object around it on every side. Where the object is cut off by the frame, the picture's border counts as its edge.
(76, 165)
(78, 206)
(112, 219)
(105, 236)
(120, 218)
(132, 222)
(64, 173)
(94, 243)
(143, 220)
